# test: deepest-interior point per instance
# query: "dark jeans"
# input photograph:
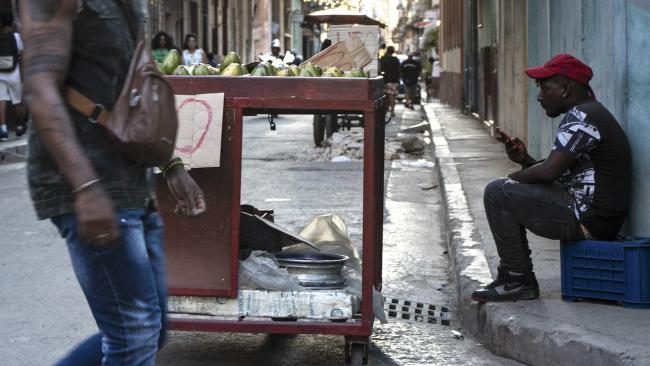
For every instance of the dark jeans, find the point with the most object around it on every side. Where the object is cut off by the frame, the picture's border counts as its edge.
(125, 288)
(511, 208)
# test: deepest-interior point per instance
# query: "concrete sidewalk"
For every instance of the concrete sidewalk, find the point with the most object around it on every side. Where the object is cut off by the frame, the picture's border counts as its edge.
(539, 332)
(14, 150)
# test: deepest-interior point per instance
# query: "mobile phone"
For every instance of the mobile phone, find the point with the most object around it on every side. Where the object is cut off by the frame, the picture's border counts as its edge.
(504, 134)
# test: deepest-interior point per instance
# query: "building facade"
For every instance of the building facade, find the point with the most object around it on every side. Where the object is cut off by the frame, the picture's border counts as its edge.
(244, 26)
(451, 50)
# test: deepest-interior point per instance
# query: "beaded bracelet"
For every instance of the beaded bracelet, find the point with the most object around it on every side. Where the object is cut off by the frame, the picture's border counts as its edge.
(172, 160)
(172, 163)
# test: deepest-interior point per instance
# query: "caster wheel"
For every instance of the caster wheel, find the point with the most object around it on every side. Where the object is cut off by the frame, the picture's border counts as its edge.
(356, 355)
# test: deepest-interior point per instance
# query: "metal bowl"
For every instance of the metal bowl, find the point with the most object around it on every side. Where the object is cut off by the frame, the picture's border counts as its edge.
(315, 270)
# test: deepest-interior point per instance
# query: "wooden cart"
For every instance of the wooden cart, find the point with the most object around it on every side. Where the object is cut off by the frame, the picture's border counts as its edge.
(202, 254)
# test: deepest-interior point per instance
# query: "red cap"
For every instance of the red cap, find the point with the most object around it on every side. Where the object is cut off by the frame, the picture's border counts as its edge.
(564, 65)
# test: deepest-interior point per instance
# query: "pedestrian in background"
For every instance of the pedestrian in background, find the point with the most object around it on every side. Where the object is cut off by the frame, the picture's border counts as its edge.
(389, 69)
(213, 59)
(410, 69)
(434, 84)
(192, 54)
(11, 87)
(101, 202)
(275, 51)
(161, 44)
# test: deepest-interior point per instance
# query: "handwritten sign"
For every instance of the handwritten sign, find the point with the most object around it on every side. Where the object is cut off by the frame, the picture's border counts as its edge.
(200, 121)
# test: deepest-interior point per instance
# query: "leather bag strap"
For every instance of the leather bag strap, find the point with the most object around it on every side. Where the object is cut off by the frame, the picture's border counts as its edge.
(96, 113)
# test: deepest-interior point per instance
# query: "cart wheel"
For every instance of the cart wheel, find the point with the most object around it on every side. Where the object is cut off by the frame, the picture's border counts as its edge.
(331, 125)
(357, 355)
(319, 129)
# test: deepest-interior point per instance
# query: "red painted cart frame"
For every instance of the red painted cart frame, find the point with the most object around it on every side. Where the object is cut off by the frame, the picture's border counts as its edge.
(202, 253)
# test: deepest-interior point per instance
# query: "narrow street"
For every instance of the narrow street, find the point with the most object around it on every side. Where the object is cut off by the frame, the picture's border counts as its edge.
(44, 314)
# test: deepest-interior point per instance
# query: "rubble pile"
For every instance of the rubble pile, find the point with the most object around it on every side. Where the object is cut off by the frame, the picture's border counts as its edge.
(346, 146)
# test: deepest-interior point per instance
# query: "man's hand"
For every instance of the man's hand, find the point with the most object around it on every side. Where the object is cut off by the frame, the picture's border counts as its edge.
(188, 194)
(515, 148)
(97, 221)
(516, 151)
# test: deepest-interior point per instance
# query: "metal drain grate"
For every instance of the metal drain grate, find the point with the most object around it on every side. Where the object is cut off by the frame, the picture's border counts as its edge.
(417, 311)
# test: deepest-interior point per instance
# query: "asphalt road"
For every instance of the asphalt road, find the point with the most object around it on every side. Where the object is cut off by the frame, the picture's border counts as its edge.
(43, 313)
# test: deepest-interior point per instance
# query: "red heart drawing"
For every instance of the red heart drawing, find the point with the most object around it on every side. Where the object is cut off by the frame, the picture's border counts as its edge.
(192, 149)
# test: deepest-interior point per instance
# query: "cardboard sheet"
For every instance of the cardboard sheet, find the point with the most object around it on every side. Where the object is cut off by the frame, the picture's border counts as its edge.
(347, 54)
(368, 34)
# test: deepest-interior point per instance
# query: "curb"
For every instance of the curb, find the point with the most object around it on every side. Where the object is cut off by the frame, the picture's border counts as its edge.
(469, 262)
(504, 328)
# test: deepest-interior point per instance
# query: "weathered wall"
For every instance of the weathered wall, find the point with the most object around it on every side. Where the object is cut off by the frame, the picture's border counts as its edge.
(451, 89)
(638, 109)
(262, 27)
(512, 56)
(612, 37)
(487, 57)
(451, 46)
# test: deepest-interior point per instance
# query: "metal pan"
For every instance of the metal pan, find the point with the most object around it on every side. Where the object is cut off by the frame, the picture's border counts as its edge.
(315, 270)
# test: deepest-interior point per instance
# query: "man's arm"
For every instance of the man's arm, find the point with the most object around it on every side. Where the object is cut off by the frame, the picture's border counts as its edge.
(545, 172)
(47, 37)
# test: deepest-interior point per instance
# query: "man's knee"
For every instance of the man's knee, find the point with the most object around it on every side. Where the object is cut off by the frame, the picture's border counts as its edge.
(494, 191)
(150, 328)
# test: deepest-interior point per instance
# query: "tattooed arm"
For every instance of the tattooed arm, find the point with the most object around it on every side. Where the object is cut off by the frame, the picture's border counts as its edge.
(47, 34)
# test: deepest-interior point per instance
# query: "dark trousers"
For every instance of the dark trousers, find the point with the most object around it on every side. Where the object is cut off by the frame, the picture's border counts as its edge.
(410, 93)
(511, 208)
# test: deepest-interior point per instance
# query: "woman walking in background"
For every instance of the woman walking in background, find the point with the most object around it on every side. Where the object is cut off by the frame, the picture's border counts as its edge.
(192, 54)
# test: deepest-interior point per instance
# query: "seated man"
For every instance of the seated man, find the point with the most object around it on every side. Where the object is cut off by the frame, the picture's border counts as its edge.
(580, 191)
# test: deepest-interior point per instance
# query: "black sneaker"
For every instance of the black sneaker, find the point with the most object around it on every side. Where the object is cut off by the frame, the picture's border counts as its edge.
(4, 136)
(20, 130)
(509, 287)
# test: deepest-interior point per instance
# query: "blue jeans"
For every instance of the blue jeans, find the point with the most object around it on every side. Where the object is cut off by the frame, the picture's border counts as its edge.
(125, 289)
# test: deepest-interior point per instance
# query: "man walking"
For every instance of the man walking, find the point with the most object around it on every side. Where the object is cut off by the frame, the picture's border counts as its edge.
(389, 69)
(411, 69)
(581, 190)
(101, 202)
(275, 51)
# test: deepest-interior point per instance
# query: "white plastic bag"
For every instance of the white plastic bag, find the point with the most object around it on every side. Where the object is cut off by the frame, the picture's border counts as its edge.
(261, 271)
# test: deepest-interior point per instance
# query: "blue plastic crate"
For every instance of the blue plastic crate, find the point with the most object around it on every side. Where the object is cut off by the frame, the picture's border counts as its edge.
(607, 270)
